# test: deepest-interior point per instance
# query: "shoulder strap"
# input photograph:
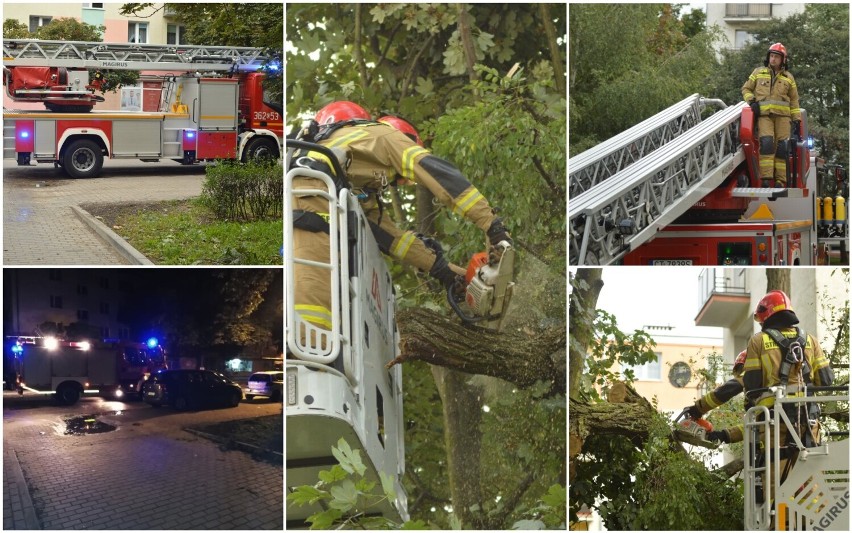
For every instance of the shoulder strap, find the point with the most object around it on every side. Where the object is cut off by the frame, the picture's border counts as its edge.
(329, 129)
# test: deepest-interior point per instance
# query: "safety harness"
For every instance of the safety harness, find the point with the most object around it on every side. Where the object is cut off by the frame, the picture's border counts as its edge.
(314, 222)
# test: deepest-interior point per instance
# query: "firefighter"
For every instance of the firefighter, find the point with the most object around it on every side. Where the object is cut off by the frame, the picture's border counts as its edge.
(377, 155)
(715, 398)
(781, 354)
(774, 98)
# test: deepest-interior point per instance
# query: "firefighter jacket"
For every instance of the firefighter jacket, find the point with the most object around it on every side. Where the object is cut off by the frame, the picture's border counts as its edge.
(777, 94)
(717, 397)
(763, 361)
(378, 156)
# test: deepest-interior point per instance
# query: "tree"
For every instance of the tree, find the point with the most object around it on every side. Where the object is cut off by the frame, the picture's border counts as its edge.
(258, 25)
(817, 42)
(15, 29)
(617, 82)
(450, 69)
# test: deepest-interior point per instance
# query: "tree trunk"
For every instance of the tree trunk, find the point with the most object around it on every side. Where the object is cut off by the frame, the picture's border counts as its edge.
(463, 441)
(555, 54)
(582, 310)
(521, 358)
(467, 41)
(778, 279)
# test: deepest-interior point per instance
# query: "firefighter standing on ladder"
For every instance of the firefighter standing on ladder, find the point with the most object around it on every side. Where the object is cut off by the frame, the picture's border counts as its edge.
(773, 359)
(379, 154)
(772, 94)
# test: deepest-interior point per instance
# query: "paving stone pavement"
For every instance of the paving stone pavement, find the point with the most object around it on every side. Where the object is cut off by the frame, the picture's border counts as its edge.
(138, 477)
(39, 227)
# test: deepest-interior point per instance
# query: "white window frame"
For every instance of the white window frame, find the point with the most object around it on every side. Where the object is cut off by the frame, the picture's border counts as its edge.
(91, 5)
(42, 20)
(136, 26)
(180, 30)
(640, 372)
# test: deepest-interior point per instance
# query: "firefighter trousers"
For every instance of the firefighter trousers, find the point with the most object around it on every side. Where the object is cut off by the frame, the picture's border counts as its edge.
(773, 130)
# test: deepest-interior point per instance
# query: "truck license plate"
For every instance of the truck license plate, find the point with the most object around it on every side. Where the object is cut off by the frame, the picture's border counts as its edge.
(672, 262)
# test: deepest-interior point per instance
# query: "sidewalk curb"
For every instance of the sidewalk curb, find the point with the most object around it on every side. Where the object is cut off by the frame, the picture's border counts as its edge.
(112, 238)
(17, 478)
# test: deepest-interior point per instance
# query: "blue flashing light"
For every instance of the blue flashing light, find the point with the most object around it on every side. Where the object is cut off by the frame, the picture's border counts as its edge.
(273, 67)
(153, 342)
(17, 348)
(25, 134)
(190, 134)
(810, 142)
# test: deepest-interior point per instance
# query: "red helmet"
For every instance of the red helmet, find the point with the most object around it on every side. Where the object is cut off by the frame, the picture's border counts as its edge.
(770, 304)
(402, 126)
(340, 111)
(777, 48)
(739, 362)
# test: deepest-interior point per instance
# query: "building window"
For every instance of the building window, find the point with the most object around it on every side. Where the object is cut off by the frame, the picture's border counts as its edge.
(742, 38)
(104, 332)
(37, 21)
(56, 302)
(123, 333)
(54, 274)
(137, 32)
(82, 314)
(93, 5)
(648, 371)
(104, 308)
(82, 290)
(103, 282)
(748, 10)
(175, 34)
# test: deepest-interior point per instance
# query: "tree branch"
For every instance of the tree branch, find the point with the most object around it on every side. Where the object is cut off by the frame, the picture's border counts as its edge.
(515, 357)
(409, 71)
(555, 55)
(359, 57)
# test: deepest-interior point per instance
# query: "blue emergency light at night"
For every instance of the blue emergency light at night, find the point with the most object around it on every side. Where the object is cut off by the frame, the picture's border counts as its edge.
(17, 348)
(152, 342)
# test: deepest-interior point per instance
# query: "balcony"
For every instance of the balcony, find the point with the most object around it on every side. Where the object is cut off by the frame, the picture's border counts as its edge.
(723, 296)
(748, 11)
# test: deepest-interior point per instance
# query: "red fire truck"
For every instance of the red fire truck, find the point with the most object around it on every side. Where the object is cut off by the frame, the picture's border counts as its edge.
(212, 105)
(683, 188)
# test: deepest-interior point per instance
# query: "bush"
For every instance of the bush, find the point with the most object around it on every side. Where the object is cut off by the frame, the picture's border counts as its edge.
(244, 192)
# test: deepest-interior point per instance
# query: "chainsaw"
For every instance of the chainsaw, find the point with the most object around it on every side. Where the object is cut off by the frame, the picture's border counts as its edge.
(693, 431)
(488, 287)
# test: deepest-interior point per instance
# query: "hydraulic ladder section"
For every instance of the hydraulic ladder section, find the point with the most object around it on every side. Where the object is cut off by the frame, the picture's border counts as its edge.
(619, 214)
(129, 56)
(613, 155)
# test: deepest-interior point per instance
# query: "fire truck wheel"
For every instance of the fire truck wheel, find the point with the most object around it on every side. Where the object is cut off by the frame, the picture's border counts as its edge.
(68, 394)
(260, 149)
(83, 159)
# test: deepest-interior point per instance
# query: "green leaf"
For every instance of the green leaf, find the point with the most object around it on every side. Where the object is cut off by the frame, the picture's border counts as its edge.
(424, 86)
(388, 486)
(330, 476)
(349, 459)
(307, 495)
(455, 523)
(324, 519)
(415, 525)
(345, 496)
(529, 524)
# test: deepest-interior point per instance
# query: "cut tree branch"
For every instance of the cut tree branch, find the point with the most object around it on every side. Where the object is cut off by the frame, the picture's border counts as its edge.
(517, 357)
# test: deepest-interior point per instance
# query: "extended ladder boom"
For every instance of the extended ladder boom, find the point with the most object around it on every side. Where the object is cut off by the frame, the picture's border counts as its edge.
(613, 155)
(129, 56)
(619, 214)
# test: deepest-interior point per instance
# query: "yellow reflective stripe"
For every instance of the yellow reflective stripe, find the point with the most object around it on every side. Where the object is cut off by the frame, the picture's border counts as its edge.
(349, 138)
(315, 314)
(318, 156)
(403, 245)
(773, 107)
(747, 96)
(752, 363)
(408, 156)
(711, 400)
(463, 205)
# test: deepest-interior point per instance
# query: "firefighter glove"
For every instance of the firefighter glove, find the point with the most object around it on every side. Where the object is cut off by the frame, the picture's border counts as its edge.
(693, 412)
(797, 127)
(755, 108)
(442, 272)
(721, 436)
(497, 232)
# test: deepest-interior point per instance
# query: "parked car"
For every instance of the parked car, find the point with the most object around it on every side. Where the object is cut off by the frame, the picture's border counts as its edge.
(191, 389)
(269, 384)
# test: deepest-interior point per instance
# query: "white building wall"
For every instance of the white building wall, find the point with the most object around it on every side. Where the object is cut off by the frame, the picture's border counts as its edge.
(729, 25)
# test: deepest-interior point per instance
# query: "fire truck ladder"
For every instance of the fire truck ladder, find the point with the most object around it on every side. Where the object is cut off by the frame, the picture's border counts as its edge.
(129, 56)
(619, 214)
(609, 157)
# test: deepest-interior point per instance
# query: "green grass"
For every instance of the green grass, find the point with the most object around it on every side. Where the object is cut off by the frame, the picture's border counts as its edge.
(183, 232)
